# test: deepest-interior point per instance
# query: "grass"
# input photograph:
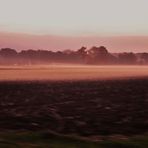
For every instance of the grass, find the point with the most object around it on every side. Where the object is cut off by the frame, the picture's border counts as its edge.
(46, 140)
(42, 140)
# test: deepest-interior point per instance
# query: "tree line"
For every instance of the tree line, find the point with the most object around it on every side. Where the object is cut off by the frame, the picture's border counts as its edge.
(94, 55)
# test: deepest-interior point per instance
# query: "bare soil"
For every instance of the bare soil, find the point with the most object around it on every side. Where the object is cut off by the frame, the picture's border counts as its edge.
(85, 108)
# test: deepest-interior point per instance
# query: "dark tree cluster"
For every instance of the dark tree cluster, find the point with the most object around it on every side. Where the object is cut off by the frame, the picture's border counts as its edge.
(94, 55)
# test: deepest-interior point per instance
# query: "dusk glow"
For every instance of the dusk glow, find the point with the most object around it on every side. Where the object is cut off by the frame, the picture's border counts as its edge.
(73, 23)
(74, 73)
(22, 41)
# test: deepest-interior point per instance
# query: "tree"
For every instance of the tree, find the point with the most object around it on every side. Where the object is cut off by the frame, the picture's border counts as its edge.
(8, 52)
(127, 58)
(144, 58)
(100, 55)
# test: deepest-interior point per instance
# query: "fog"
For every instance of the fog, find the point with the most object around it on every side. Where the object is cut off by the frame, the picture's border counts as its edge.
(70, 72)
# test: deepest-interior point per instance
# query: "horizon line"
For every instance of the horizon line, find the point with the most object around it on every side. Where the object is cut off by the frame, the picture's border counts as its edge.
(22, 41)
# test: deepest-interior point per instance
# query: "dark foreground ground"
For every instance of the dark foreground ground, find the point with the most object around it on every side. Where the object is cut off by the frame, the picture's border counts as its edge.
(84, 108)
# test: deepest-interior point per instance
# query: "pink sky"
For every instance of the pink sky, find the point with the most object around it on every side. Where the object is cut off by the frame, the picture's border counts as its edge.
(120, 25)
(22, 41)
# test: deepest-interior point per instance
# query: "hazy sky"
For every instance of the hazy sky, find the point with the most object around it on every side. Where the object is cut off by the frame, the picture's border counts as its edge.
(75, 17)
(82, 21)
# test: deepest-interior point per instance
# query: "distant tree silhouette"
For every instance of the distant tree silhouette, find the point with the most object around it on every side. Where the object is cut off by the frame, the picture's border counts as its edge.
(8, 52)
(8, 56)
(100, 55)
(94, 55)
(82, 54)
(144, 58)
(127, 58)
(82, 51)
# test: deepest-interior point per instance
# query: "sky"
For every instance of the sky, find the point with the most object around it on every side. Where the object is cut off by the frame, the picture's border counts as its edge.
(74, 20)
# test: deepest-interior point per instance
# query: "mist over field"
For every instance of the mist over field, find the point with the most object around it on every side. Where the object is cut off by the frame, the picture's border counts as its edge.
(71, 72)
(74, 73)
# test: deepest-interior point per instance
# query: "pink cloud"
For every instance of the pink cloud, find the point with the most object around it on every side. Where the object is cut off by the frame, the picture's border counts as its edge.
(115, 43)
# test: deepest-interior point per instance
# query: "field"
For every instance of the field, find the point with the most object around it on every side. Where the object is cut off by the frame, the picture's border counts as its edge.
(76, 107)
(98, 112)
(70, 72)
